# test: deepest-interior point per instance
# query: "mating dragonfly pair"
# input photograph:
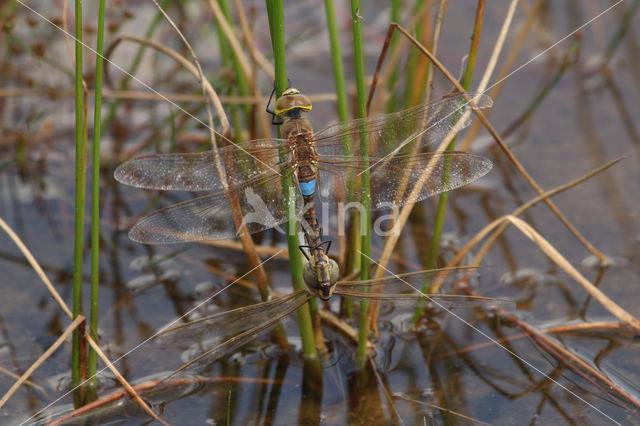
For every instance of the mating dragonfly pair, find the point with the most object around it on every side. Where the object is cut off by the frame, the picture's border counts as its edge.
(326, 166)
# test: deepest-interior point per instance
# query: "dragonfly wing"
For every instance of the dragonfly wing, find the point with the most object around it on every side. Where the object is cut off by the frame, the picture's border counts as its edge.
(420, 126)
(213, 337)
(261, 205)
(399, 180)
(406, 289)
(203, 171)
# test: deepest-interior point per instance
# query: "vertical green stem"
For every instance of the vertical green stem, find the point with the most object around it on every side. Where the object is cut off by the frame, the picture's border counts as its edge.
(336, 58)
(365, 218)
(466, 83)
(80, 185)
(343, 114)
(275, 12)
(95, 195)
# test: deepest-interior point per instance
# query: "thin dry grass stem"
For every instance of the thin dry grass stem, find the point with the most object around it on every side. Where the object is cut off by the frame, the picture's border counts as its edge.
(588, 326)
(497, 48)
(41, 359)
(571, 360)
(443, 409)
(393, 411)
(132, 392)
(499, 223)
(247, 242)
(210, 92)
(36, 267)
(507, 151)
(231, 38)
(437, 30)
(507, 66)
(26, 382)
(34, 264)
(526, 206)
(563, 263)
(224, 122)
(148, 386)
(393, 59)
(256, 55)
(258, 58)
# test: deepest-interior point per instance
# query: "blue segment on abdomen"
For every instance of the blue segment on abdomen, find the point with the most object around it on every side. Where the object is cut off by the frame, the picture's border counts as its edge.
(308, 188)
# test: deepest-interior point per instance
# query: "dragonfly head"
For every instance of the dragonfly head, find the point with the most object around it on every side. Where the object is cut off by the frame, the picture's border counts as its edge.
(321, 277)
(292, 103)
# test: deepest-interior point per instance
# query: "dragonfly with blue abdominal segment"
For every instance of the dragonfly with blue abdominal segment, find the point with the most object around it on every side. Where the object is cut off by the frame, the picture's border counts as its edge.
(248, 175)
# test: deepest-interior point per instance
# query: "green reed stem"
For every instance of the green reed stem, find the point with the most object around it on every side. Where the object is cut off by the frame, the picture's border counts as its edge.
(95, 197)
(365, 215)
(441, 209)
(336, 59)
(275, 11)
(343, 115)
(80, 185)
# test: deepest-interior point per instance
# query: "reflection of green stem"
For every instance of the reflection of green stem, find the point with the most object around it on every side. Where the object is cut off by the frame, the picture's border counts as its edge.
(95, 196)
(81, 182)
(365, 217)
(441, 210)
(275, 12)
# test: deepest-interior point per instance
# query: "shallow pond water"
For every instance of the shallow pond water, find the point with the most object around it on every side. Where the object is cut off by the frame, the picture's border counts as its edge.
(448, 372)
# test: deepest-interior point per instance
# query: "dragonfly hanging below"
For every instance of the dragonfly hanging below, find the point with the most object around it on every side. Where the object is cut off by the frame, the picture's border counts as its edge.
(220, 334)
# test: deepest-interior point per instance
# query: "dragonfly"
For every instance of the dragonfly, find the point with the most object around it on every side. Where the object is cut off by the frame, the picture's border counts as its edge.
(247, 176)
(220, 334)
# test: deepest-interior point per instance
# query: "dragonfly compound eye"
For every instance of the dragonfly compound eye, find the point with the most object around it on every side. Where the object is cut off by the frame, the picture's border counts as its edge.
(310, 276)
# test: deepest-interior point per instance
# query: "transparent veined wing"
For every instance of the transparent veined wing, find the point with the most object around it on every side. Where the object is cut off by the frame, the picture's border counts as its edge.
(229, 167)
(392, 134)
(259, 205)
(406, 289)
(399, 180)
(208, 339)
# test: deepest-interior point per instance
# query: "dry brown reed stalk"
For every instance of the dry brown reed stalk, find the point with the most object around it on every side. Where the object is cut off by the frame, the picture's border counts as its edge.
(499, 226)
(557, 350)
(123, 381)
(393, 411)
(56, 296)
(547, 248)
(148, 386)
(507, 66)
(258, 58)
(566, 266)
(41, 359)
(443, 409)
(529, 204)
(246, 240)
(392, 240)
(569, 358)
(508, 152)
